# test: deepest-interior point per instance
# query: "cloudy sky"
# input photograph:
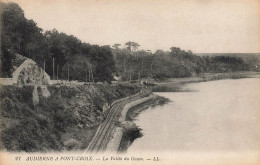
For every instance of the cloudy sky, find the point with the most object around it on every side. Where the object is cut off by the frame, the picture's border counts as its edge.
(200, 25)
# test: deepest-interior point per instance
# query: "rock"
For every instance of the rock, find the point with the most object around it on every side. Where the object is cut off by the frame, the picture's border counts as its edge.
(35, 96)
(45, 91)
(71, 144)
(80, 126)
(128, 125)
(105, 107)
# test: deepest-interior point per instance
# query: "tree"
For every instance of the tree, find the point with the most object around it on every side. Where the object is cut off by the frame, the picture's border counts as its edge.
(129, 46)
(135, 46)
(102, 57)
(175, 50)
(159, 52)
(116, 46)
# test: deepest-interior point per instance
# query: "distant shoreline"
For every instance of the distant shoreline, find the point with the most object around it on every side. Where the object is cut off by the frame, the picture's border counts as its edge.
(175, 84)
(213, 76)
(170, 85)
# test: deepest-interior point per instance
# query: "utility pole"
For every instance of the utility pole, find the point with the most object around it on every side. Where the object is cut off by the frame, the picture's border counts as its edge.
(86, 75)
(130, 75)
(44, 65)
(43, 68)
(57, 72)
(89, 75)
(151, 68)
(138, 76)
(92, 76)
(139, 73)
(68, 72)
(124, 65)
(53, 69)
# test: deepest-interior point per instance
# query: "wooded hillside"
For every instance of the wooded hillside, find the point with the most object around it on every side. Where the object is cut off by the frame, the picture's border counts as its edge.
(66, 57)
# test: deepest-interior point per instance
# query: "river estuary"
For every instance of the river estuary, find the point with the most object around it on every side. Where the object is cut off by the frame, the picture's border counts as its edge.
(213, 116)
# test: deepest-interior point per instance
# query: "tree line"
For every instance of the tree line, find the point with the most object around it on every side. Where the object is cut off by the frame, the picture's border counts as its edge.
(174, 63)
(72, 58)
(66, 57)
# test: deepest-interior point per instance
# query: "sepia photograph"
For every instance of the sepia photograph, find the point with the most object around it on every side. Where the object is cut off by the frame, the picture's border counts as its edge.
(130, 82)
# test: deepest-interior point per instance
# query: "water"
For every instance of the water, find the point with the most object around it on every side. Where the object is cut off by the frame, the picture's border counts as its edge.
(219, 116)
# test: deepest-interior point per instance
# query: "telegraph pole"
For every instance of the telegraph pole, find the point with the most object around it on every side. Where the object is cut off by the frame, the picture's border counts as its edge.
(89, 75)
(139, 73)
(44, 65)
(68, 72)
(53, 68)
(43, 68)
(57, 72)
(130, 79)
(86, 75)
(92, 76)
(138, 76)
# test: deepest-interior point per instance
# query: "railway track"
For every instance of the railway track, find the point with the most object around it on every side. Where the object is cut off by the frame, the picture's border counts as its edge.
(103, 134)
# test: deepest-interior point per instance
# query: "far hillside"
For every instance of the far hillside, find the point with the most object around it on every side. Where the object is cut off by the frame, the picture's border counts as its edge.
(229, 54)
(247, 57)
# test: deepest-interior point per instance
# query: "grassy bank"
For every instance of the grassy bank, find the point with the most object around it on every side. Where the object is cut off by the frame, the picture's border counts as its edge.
(66, 120)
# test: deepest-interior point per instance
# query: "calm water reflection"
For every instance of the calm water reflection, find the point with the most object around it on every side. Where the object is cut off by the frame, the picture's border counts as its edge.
(221, 115)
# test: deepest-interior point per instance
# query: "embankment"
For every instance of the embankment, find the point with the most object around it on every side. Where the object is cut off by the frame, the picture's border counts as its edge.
(131, 130)
(65, 118)
(124, 126)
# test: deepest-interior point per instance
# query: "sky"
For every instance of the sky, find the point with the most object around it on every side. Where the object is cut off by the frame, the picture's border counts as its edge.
(203, 26)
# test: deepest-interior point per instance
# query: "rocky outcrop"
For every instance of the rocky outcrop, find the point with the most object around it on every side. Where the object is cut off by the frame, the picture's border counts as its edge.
(30, 73)
(26, 72)
(45, 91)
(55, 117)
(35, 96)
